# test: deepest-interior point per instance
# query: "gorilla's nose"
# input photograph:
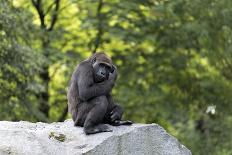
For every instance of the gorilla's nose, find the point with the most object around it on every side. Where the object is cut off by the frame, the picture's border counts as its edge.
(102, 73)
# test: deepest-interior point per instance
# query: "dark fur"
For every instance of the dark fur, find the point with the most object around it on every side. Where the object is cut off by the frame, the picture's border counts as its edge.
(90, 103)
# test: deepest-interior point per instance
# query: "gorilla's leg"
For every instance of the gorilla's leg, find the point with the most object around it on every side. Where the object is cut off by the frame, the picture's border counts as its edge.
(93, 123)
(83, 110)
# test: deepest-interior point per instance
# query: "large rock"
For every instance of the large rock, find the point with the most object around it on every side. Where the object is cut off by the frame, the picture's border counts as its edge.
(62, 138)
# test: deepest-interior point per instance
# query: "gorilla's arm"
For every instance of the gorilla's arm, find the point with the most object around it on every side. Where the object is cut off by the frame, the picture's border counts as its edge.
(88, 88)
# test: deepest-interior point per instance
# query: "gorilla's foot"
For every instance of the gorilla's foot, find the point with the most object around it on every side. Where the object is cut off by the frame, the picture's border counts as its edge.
(97, 129)
(121, 122)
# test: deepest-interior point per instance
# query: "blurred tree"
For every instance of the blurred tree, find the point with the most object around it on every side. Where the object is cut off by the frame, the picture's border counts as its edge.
(46, 28)
(18, 64)
(173, 57)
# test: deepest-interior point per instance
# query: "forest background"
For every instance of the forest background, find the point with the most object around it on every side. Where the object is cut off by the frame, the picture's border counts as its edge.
(173, 57)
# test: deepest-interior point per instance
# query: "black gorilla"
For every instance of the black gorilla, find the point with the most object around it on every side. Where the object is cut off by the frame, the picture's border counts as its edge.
(89, 99)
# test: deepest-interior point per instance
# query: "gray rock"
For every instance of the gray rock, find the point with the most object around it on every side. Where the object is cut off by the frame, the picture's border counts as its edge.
(62, 138)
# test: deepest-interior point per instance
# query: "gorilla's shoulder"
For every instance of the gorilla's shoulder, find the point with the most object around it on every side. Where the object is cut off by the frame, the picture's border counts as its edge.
(84, 63)
(84, 66)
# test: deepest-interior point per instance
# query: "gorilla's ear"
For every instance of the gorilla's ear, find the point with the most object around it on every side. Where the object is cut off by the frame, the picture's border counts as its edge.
(94, 60)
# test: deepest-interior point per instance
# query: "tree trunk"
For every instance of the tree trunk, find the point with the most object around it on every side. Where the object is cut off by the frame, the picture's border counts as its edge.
(46, 29)
(44, 106)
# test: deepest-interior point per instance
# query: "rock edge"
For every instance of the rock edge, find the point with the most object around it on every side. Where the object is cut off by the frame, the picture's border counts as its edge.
(62, 138)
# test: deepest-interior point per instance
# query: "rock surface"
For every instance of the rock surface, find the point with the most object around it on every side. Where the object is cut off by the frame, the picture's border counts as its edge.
(62, 138)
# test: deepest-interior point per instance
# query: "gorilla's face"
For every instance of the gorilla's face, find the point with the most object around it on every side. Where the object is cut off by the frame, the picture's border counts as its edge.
(101, 71)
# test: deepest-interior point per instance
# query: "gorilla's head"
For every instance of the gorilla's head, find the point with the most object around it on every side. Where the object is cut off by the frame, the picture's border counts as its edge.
(102, 66)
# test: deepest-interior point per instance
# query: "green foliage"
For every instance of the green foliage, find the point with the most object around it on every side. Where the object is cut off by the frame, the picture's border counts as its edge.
(18, 63)
(173, 57)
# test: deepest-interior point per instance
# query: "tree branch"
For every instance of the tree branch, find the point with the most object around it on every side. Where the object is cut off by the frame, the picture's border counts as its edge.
(38, 6)
(100, 23)
(49, 8)
(55, 15)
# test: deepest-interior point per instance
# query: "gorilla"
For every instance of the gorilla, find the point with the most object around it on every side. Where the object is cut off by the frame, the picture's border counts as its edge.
(89, 95)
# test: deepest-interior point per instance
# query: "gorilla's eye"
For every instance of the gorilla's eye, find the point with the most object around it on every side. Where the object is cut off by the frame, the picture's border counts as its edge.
(102, 65)
(108, 68)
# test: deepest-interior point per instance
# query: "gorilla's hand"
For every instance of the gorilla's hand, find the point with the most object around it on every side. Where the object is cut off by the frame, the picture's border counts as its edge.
(114, 74)
(115, 115)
